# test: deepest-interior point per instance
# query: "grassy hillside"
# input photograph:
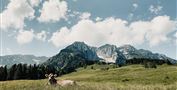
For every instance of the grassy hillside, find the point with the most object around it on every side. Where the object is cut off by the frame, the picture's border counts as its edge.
(133, 77)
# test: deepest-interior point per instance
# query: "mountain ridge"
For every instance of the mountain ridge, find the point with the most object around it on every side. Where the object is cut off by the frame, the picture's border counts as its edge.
(19, 58)
(78, 53)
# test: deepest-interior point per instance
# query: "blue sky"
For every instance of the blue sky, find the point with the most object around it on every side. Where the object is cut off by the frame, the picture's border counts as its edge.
(44, 27)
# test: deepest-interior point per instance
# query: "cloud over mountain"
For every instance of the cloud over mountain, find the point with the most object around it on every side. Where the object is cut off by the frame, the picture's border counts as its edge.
(116, 31)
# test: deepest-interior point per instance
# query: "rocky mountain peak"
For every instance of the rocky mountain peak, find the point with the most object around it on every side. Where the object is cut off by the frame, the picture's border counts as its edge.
(78, 46)
(109, 53)
(127, 48)
(79, 52)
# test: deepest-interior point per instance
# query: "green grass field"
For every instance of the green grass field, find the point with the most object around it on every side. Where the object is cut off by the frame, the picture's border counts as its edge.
(132, 77)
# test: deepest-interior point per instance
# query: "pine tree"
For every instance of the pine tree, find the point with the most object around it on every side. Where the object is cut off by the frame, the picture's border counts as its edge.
(5, 73)
(18, 73)
(24, 71)
(1, 73)
(11, 72)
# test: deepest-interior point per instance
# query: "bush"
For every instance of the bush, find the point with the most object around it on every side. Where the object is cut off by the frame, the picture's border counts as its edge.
(150, 65)
(85, 66)
(115, 66)
(91, 67)
(104, 68)
(125, 80)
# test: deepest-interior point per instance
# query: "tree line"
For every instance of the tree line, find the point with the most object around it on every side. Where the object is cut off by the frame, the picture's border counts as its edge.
(24, 71)
(148, 63)
(33, 72)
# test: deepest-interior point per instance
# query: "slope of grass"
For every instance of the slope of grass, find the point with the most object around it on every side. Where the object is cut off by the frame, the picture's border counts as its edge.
(132, 77)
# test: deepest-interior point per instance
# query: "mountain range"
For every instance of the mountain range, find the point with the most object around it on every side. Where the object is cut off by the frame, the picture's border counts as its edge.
(79, 53)
(25, 59)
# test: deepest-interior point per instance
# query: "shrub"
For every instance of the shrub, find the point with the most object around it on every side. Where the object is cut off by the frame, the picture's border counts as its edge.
(104, 68)
(92, 67)
(150, 65)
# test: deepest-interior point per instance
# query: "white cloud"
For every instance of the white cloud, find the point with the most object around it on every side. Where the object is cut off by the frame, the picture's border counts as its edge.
(59, 39)
(41, 36)
(161, 26)
(53, 10)
(154, 31)
(25, 37)
(98, 19)
(115, 31)
(135, 5)
(15, 14)
(155, 9)
(34, 3)
(85, 15)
